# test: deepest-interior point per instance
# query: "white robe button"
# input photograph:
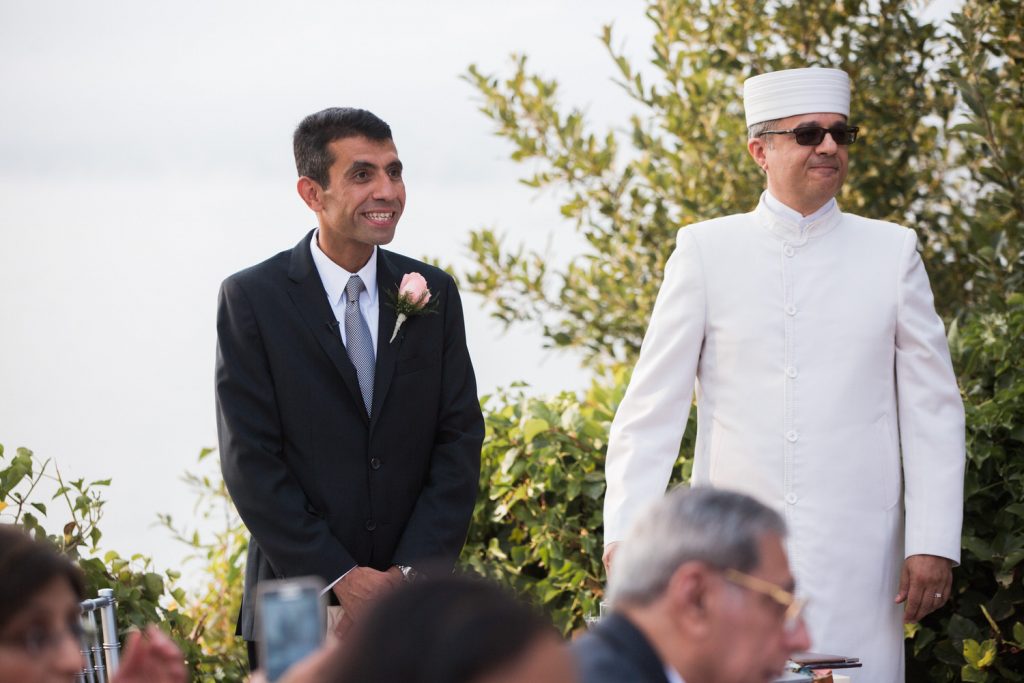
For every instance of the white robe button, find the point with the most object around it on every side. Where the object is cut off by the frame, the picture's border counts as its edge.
(789, 250)
(791, 498)
(792, 436)
(791, 372)
(791, 309)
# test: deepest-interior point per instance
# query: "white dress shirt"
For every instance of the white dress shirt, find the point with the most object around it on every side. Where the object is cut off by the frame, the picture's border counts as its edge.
(672, 675)
(335, 278)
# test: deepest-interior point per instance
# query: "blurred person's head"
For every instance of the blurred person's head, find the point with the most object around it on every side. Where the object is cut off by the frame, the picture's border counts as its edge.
(704, 576)
(40, 592)
(456, 630)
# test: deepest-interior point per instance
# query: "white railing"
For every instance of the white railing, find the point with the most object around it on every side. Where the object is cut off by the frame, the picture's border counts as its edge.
(100, 647)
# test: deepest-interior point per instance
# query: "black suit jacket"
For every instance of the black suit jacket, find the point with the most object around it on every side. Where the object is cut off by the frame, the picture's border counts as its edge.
(615, 651)
(321, 486)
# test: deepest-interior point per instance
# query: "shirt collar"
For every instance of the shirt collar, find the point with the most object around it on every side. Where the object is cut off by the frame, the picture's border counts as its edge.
(792, 215)
(335, 278)
(672, 675)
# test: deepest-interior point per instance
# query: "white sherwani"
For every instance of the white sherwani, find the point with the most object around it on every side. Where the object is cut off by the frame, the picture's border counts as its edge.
(818, 359)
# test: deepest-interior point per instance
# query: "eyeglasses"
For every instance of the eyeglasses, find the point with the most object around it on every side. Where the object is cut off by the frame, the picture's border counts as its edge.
(812, 136)
(38, 640)
(794, 605)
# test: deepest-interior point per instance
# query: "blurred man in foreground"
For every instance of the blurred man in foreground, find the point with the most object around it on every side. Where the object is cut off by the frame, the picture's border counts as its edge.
(701, 592)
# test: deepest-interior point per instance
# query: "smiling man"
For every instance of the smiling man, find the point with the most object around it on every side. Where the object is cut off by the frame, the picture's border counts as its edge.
(350, 442)
(823, 381)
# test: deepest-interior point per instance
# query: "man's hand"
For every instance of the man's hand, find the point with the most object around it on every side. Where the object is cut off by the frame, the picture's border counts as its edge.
(341, 628)
(150, 656)
(923, 578)
(323, 666)
(363, 585)
(609, 551)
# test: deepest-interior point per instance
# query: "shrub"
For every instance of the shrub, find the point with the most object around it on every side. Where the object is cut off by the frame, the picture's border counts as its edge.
(537, 523)
(144, 595)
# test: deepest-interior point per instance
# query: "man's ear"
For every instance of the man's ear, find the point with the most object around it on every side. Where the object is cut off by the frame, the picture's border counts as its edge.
(311, 193)
(688, 594)
(757, 147)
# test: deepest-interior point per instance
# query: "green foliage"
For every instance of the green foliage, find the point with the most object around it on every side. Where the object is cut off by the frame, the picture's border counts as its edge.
(978, 635)
(537, 523)
(687, 159)
(144, 595)
(987, 68)
(214, 608)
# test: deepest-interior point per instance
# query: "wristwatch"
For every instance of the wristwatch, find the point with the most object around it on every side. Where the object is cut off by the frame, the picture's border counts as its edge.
(408, 573)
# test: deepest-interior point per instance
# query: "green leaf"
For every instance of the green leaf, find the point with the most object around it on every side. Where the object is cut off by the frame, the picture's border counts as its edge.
(969, 673)
(533, 427)
(154, 585)
(980, 656)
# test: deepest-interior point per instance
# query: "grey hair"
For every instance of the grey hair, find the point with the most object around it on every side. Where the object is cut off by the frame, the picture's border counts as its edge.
(719, 528)
(759, 129)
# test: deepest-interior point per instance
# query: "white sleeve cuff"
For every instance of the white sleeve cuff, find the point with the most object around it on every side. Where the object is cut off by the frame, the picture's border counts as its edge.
(325, 591)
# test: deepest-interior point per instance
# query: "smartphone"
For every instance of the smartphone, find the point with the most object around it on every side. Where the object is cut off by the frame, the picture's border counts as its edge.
(290, 622)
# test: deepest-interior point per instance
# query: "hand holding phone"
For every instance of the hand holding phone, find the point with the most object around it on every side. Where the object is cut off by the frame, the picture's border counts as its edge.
(290, 618)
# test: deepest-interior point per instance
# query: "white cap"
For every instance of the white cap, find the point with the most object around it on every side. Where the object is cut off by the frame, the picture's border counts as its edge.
(779, 94)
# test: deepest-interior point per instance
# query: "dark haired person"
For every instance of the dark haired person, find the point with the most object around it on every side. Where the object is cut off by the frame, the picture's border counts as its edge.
(349, 435)
(456, 630)
(448, 630)
(823, 381)
(40, 629)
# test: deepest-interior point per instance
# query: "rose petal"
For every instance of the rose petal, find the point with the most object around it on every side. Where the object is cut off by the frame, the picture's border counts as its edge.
(414, 286)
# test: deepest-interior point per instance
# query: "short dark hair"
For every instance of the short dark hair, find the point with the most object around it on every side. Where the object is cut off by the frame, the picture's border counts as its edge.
(445, 630)
(312, 157)
(27, 566)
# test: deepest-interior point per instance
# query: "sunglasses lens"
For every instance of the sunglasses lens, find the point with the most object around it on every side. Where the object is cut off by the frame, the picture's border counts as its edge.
(843, 136)
(812, 136)
(809, 136)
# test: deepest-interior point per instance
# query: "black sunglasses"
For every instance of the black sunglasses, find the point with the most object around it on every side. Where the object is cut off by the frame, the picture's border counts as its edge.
(812, 136)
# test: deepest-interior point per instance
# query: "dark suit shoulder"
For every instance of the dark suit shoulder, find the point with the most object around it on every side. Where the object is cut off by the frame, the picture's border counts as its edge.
(271, 269)
(615, 650)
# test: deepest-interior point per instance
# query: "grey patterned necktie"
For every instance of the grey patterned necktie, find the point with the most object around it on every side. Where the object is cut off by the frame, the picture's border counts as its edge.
(358, 341)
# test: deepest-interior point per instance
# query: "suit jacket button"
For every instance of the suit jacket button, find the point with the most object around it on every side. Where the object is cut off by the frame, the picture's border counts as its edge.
(375, 463)
(370, 525)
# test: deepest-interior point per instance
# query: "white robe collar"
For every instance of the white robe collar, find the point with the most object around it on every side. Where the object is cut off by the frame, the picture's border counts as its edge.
(789, 225)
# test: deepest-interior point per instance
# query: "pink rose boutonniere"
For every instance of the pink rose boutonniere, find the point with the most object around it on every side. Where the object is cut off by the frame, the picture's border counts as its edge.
(412, 299)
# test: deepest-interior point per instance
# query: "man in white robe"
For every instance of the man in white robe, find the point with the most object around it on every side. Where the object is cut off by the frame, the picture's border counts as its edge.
(823, 381)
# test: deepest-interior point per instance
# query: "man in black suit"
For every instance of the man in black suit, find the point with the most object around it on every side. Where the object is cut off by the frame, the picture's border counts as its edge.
(349, 440)
(701, 592)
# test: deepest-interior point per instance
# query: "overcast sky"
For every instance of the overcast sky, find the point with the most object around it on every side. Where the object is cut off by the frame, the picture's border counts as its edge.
(145, 154)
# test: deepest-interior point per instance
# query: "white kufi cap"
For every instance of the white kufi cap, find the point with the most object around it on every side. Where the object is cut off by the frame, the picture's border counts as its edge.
(779, 94)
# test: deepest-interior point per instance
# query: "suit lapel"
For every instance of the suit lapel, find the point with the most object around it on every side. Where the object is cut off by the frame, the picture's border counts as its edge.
(388, 279)
(307, 293)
